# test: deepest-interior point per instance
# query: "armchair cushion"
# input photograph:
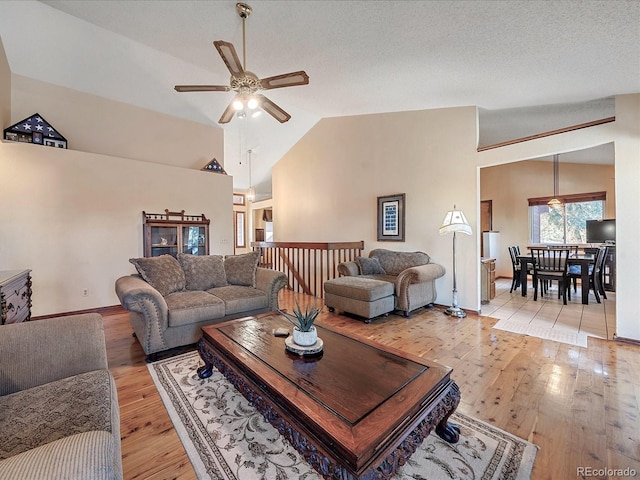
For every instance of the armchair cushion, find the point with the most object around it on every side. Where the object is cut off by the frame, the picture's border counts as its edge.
(81, 456)
(241, 269)
(56, 410)
(203, 272)
(164, 273)
(370, 266)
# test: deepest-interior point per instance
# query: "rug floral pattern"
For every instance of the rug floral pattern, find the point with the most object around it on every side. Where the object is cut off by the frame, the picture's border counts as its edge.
(226, 438)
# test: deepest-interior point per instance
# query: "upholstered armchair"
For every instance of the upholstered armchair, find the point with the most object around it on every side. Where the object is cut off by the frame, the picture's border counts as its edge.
(412, 274)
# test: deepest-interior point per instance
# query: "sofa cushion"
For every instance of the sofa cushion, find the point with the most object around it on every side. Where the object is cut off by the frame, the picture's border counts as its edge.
(192, 306)
(203, 272)
(163, 273)
(369, 266)
(395, 262)
(241, 269)
(55, 410)
(238, 298)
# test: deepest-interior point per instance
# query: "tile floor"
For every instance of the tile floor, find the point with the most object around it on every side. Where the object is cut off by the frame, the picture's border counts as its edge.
(549, 318)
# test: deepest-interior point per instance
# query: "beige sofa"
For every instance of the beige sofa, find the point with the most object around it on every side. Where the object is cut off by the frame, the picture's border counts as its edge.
(171, 299)
(59, 416)
(412, 274)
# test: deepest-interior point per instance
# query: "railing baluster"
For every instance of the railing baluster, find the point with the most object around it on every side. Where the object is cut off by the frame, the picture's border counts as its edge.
(307, 265)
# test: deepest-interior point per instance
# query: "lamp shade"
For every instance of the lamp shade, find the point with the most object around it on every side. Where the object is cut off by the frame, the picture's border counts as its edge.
(455, 221)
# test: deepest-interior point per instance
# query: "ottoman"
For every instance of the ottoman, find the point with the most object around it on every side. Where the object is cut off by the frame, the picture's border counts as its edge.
(364, 297)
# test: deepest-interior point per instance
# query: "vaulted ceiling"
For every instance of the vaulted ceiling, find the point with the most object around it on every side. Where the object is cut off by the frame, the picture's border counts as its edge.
(361, 56)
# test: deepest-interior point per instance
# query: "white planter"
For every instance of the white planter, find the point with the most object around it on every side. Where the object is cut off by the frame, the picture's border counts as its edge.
(305, 339)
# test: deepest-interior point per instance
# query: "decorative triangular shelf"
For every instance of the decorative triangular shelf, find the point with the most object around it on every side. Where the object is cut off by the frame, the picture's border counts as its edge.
(35, 129)
(214, 166)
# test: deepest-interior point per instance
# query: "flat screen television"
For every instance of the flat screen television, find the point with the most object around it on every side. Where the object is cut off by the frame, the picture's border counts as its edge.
(601, 231)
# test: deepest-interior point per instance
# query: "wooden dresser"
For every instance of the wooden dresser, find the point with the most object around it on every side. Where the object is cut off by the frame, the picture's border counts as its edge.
(15, 296)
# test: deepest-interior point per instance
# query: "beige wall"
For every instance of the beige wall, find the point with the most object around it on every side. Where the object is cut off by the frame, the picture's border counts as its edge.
(509, 186)
(98, 125)
(75, 218)
(325, 187)
(5, 90)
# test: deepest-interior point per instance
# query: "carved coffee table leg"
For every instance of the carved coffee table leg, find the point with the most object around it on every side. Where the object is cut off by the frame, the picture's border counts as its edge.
(207, 370)
(450, 432)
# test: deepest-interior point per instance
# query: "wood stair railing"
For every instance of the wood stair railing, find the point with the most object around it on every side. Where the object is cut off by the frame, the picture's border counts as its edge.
(307, 264)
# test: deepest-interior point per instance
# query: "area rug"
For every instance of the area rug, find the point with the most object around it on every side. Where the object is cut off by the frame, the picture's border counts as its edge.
(227, 439)
(579, 339)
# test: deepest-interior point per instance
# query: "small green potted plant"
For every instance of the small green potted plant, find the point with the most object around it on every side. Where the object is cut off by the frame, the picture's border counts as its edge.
(304, 332)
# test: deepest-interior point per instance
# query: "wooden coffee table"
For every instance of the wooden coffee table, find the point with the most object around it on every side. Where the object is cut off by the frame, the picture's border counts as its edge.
(357, 411)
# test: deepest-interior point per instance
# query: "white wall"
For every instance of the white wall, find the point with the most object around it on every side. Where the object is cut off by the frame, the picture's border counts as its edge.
(509, 186)
(5, 89)
(75, 218)
(325, 187)
(98, 125)
(625, 133)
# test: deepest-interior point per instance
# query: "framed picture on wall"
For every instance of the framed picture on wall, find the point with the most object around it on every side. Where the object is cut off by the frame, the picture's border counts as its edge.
(238, 198)
(391, 218)
(240, 230)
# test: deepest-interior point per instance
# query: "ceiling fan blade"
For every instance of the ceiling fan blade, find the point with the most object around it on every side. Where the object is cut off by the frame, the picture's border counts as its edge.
(272, 109)
(285, 80)
(228, 113)
(230, 57)
(202, 88)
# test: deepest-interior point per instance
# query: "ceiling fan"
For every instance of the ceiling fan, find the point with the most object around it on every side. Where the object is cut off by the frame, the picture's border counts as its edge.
(246, 84)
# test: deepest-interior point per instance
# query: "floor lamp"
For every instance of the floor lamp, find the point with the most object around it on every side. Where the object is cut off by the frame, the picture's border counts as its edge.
(455, 221)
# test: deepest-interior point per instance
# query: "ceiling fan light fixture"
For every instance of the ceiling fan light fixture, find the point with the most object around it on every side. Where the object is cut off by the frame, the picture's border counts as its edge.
(247, 84)
(238, 105)
(252, 103)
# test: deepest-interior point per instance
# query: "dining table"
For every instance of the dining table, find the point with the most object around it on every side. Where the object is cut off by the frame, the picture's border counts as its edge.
(582, 259)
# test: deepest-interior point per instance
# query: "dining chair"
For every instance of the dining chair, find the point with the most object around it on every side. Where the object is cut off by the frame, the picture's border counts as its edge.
(594, 272)
(514, 253)
(575, 271)
(550, 265)
(599, 274)
(515, 268)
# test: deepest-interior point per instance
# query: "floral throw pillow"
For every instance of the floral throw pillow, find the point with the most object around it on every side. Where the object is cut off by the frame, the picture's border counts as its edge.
(370, 266)
(241, 269)
(163, 273)
(203, 272)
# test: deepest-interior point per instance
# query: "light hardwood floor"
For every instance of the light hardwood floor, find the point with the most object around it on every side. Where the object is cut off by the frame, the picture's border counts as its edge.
(579, 405)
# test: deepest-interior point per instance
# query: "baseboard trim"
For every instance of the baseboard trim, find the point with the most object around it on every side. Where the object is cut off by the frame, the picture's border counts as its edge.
(110, 310)
(630, 341)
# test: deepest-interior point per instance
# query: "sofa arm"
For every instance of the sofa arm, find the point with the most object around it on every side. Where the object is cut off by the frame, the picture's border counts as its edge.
(413, 275)
(42, 351)
(422, 273)
(136, 295)
(151, 313)
(271, 282)
(348, 269)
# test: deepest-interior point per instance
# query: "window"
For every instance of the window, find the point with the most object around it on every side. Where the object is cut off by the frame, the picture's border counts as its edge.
(566, 223)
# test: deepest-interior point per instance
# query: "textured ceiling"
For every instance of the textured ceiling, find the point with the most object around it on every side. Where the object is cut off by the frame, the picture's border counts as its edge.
(361, 57)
